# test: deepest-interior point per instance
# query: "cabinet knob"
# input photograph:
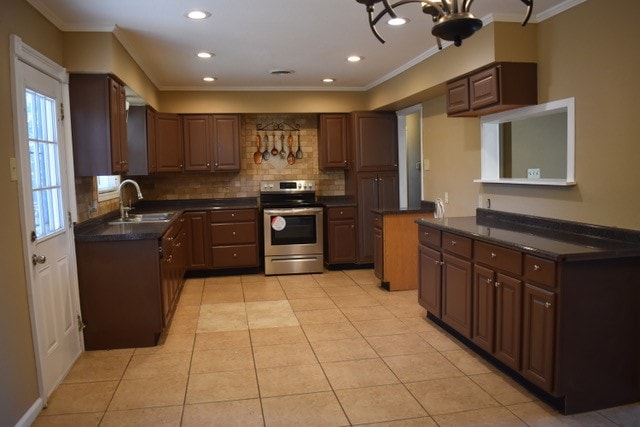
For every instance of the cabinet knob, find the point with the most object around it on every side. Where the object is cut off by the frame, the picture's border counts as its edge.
(234, 233)
(235, 255)
(547, 304)
(453, 243)
(215, 164)
(536, 267)
(497, 284)
(489, 281)
(441, 262)
(345, 162)
(233, 215)
(353, 226)
(426, 233)
(341, 213)
(493, 255)
(208, 164)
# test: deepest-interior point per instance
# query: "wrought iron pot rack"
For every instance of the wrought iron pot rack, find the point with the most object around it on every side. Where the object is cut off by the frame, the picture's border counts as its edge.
(286, 153)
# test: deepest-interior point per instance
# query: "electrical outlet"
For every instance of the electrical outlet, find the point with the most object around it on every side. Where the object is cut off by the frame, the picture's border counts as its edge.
(533, 173)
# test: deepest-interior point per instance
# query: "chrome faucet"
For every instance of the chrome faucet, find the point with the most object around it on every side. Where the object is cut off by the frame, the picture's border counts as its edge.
(124, 211)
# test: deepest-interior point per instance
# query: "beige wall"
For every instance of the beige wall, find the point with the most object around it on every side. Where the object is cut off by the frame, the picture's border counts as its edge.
(18, 383)
(103, 53)
(596, 61)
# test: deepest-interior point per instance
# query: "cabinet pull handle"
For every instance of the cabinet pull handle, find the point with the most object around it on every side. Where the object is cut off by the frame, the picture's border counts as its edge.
(493, 255)
(497, 284)
(536, 267)
(547, 304)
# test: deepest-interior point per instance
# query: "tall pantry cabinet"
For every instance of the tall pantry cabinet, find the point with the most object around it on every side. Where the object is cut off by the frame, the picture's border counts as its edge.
(373, 178)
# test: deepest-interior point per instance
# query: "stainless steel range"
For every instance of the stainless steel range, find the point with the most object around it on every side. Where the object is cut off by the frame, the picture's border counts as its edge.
(293, 241)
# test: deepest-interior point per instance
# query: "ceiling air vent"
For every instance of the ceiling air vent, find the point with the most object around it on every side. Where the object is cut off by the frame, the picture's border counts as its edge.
(281, 72)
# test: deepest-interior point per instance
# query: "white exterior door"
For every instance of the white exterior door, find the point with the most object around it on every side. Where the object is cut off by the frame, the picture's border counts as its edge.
(46, 224)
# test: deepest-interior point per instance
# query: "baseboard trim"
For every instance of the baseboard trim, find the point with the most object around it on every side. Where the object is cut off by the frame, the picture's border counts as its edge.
(32, 413)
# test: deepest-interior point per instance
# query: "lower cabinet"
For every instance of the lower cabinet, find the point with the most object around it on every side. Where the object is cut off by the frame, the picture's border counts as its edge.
(234, 239)
(128, 288)
(538, 334)
(173, 266)
(456, 293)
(197, 239)
(340, 241)
(430, 276)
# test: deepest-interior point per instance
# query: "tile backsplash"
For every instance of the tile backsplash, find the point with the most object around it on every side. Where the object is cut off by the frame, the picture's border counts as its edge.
(245, 183)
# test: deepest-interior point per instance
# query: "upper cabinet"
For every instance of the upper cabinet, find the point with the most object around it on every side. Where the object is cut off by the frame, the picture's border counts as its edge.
(497, 87)
(333, 142)
(375, 141)
(98, 124)
(168, 152)
(141, 140)
(211, 142)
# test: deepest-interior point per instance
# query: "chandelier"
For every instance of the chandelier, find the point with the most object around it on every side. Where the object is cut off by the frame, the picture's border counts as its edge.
(452, 22)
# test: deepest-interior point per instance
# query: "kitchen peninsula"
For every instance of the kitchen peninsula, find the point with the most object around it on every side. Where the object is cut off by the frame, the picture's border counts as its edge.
(555, 304)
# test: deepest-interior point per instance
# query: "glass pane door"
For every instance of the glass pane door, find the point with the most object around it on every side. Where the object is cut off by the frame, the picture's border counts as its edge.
(42, 133)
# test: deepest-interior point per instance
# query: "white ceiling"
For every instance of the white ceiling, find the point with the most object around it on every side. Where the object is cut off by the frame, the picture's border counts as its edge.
(250, 37)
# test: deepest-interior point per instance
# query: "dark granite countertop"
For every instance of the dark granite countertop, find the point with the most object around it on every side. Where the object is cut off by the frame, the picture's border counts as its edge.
(556, 240)
(98, 229)
(425, 207)
(337, 201)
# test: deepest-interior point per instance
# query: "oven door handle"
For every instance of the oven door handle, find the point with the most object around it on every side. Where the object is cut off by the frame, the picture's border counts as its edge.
(293, 211)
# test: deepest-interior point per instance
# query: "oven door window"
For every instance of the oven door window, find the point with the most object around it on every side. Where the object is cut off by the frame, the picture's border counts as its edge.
(297, 230)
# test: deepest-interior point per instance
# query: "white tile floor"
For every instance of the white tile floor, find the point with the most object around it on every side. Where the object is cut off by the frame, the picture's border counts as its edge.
(330, 349)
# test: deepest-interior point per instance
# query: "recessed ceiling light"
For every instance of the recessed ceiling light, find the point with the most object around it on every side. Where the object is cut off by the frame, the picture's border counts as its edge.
(205, 55)
(355, 58)
(198, 14)
(328, 80)
(395, 22)
(209, 79)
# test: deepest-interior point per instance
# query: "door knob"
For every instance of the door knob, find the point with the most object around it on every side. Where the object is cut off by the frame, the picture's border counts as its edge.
(38, 259)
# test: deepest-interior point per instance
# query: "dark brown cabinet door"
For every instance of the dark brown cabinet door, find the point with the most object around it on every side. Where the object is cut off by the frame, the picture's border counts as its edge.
(430, 286)
(332, 141)
(508, 320)
(388, 191)
(538, 351)
(226, 143)
(375, 137)
(169, 142)
(456, 294)
(483, 88)
(196, 143)
(341, 241)
(98, 124)
(378, 253)
(118, 127)
(367, 200)
(196, 224)
(152, 161)
(483, 332)
(458, 96)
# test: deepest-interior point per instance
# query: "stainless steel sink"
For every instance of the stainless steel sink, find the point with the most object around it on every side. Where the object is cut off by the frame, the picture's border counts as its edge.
(144, 218)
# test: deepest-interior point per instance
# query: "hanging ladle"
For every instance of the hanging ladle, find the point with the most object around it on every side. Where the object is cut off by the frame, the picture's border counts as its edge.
(274, 150)
(283, 152)
(257, 156)
(291, 158)
(299, 152)
(265, 153)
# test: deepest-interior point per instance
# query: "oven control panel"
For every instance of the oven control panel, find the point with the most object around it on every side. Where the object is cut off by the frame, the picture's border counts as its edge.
(289, 186)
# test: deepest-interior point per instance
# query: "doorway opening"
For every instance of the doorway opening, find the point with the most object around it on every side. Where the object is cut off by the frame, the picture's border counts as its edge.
(410, 156)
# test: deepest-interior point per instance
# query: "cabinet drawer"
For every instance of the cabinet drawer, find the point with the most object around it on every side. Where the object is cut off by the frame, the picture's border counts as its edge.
(234, 256)
(233, 233)
(539, 270)
(429, 236)
(498, 257)
(341, 213)
(456, 244)
(233, 215)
